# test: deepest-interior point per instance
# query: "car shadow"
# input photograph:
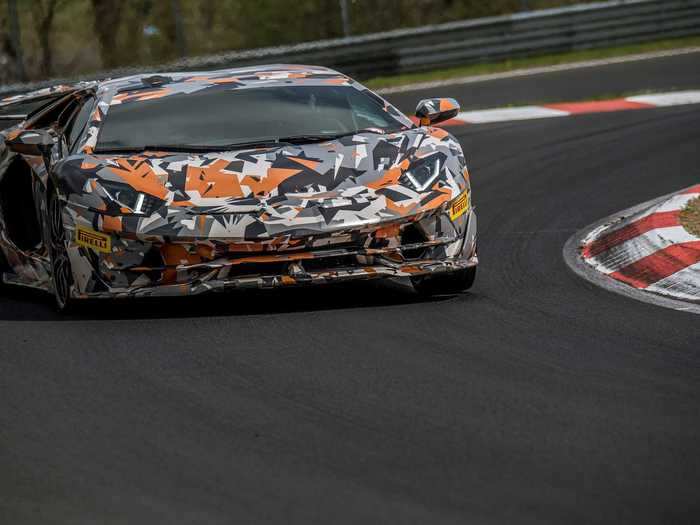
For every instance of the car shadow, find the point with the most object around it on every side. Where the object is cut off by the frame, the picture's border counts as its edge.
(19, 304)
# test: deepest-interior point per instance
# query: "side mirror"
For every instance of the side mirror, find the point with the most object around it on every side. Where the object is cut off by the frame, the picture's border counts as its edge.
(433, 110)
(32, 142)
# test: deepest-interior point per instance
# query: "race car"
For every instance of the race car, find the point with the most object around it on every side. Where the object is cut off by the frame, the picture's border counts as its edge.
(266, 176)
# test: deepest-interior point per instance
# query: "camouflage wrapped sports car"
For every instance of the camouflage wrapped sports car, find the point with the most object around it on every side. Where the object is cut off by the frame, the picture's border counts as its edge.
(269, 176)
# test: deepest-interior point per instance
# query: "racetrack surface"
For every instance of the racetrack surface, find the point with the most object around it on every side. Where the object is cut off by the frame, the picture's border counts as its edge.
(673, 73)
(536, 398)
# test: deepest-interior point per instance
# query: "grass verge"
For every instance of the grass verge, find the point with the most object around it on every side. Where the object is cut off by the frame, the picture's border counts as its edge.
(529, 62)
(690, 217)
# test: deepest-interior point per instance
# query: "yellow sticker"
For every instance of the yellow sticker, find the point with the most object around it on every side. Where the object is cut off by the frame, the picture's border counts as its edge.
(92, 239)
(460, 205)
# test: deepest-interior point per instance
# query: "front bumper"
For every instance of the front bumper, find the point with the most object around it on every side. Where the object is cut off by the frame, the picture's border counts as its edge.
(145, 267)
(214, 281)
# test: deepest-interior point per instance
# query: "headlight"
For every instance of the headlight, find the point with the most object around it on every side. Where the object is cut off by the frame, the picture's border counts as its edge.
(424, 173)
(127, 197)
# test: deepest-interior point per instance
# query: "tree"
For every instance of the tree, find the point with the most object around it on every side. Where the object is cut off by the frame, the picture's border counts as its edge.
(43, 12)
(106, 22)
(15, 39)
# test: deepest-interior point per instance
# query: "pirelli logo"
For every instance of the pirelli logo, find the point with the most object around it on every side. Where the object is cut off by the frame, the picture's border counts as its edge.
(460, 205)
(92, 239)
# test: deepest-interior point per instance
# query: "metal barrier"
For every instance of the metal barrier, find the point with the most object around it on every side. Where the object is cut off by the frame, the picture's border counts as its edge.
(578, 27)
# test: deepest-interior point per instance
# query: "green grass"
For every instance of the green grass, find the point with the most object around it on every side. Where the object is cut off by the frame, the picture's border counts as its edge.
(522, 63)
(690, 217)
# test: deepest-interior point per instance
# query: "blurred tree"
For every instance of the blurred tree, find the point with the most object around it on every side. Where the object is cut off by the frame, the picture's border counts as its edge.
(15, 39)
(106, 22)
(180, 42)
(43, 12)
(345, 17)
(268, 22)
(139, 31)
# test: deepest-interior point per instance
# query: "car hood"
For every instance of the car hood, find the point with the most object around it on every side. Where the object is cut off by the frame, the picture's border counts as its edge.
(323, 186)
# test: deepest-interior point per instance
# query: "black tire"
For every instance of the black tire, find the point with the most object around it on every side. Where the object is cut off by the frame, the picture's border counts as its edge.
(448, 283)
(61, 272)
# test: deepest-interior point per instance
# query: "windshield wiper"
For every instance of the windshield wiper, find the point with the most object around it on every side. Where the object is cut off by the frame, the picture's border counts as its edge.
(376, 131)
(152, 147)
(322, 137)
(260, 143)
(263, 142)
(139, 149)
(306, 139)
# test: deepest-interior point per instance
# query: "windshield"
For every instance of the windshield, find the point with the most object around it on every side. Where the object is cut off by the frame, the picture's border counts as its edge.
(224, 116)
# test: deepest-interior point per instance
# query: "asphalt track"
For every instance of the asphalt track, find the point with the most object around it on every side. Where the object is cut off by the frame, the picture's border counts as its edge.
(673, 73)
(536, 398)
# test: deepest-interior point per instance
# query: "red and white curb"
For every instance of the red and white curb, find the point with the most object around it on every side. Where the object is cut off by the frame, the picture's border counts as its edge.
(567, 109)
(649, 250)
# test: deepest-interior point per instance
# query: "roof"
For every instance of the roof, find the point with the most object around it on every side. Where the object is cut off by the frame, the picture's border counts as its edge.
(242, 75)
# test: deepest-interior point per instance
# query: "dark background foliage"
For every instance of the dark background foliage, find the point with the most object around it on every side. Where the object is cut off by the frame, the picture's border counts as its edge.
(50, 38)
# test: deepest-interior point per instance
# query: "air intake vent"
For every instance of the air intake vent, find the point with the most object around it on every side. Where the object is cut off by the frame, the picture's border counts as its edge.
(412, 234)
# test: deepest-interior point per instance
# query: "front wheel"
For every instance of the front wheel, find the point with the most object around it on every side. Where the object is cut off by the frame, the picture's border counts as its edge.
(61, 273)
(448, 283)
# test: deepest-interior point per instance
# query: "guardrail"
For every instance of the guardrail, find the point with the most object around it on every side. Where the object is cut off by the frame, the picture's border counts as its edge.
(577, 27)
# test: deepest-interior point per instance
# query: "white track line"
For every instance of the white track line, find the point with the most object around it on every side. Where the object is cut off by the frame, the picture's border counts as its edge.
(669, 99)
(508, 114)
